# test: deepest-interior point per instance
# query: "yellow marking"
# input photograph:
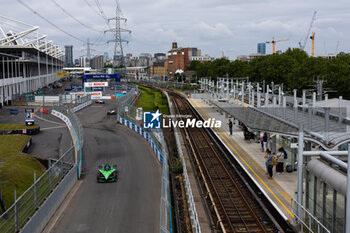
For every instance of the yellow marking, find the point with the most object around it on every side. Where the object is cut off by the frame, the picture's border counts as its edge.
(268, 188)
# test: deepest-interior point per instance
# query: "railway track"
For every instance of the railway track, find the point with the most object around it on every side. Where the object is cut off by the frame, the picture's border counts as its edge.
(232, 203)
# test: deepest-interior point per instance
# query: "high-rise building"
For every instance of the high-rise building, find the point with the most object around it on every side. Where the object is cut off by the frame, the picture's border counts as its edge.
(82, 61)
(262, 48)
(97, 62)
(105, 54)
(68, 49)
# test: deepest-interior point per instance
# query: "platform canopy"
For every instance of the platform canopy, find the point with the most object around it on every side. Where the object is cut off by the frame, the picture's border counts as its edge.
(286, 121)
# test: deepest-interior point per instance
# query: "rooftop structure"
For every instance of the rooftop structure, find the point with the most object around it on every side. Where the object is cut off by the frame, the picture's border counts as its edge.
(29, 60)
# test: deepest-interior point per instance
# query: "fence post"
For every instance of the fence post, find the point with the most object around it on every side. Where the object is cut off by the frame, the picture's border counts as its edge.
(50, 179)
(16, 213)
(35, 193)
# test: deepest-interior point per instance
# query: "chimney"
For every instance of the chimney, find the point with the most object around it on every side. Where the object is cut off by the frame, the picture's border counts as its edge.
(174, 45)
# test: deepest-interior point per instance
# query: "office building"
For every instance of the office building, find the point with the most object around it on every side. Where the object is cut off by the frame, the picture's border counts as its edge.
(68, 49)
(261, 48)
(97, 62)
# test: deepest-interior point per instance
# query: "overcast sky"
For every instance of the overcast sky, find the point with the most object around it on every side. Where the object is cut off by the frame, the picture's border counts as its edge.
(211, 25)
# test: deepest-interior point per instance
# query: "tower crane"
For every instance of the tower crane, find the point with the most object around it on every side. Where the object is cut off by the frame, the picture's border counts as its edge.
(313, 44)
(273, 42)
(302, 45)
(226, 51)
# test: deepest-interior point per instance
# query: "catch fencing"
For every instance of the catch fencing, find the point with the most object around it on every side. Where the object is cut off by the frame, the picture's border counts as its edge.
(49, 190)
(16, 217)
(127, 116)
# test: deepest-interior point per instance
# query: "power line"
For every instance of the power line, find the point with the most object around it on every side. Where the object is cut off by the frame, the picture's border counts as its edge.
(48, 21)
(88, 3)
(77, 20)
(97, 2)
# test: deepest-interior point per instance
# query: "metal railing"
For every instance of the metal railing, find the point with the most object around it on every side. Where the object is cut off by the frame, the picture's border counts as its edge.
(25, 206)
(28, 203)
(309, 222)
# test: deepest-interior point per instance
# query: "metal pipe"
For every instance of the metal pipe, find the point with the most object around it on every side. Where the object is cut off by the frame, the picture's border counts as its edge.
(279, 95)
(326, 124)
(340, 117)
(347, 213)
(317, 153)
(304, 100)
(300, 170)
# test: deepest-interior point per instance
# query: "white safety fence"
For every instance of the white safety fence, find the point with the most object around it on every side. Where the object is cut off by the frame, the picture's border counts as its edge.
(309, 222)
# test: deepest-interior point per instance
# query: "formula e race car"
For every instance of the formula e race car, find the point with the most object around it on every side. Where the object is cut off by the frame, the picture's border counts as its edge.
(107, 173)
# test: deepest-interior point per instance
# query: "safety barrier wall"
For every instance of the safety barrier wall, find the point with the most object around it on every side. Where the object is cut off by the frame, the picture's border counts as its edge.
(144, 134)
(81, 106)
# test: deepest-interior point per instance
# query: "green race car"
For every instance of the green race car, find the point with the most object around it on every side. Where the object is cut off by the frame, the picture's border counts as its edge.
(107, 173)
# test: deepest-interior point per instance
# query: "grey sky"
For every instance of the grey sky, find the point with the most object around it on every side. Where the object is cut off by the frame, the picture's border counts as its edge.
(211, 25)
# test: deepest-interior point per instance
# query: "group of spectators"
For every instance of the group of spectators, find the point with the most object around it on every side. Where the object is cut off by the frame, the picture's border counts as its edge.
(272, 160)
(275, 160)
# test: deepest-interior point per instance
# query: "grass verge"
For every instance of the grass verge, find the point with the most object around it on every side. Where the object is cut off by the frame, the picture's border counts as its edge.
(18, 169)
(16, 126)
(151, 100)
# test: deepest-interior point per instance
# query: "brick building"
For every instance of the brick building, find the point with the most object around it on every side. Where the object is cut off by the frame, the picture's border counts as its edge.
(178, 59)
(159, 69)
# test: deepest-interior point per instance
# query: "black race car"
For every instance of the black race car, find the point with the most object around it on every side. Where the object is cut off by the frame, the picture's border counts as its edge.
(111, 112)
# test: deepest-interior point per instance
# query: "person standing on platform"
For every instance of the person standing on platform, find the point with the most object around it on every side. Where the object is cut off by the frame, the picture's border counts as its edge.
(269, 161)
(230, 125)
(268, 158)
(280, 161)
(264, 142)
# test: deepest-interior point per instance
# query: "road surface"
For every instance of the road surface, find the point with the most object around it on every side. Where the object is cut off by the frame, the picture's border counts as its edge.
(129, 205)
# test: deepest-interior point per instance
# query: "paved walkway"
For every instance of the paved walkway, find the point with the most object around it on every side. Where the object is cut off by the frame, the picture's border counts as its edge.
(281, 188)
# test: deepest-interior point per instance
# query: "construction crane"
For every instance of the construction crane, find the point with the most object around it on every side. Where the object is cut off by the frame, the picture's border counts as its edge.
(273, 42)
(226, 51)
(302, 45)
(313, 44)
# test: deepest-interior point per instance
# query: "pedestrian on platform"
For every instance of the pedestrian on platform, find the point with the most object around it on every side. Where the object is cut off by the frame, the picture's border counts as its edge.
(267, 155)
(264, 142)
(269, 161)
(230, 125)
(280, 161)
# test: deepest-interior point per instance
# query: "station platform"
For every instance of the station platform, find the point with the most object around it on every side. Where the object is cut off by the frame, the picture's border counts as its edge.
(278, 190)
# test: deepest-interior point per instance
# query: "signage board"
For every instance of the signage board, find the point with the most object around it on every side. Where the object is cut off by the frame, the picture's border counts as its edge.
(96, 84)
(29, 110)
(29, 122)
(139, 114)
(95, 93)
(97, 89)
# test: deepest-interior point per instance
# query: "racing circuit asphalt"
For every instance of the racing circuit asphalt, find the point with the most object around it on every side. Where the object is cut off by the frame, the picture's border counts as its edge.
(131, 204)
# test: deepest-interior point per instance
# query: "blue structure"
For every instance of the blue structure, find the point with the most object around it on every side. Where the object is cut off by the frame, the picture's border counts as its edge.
(262, 48)
(101, 76)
